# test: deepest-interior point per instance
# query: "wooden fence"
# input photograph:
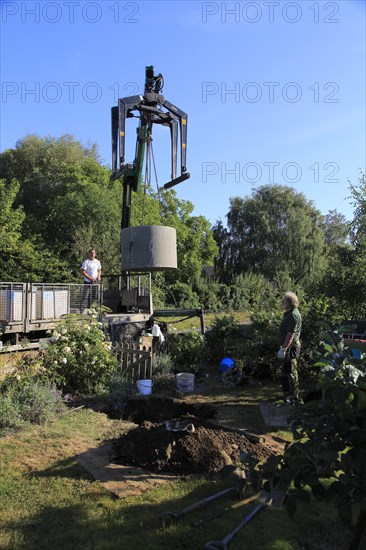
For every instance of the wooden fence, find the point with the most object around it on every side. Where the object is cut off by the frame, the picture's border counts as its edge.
(136, 359)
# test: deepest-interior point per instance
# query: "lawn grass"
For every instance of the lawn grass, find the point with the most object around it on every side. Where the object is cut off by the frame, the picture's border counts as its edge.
(194, 323)
(49, 501)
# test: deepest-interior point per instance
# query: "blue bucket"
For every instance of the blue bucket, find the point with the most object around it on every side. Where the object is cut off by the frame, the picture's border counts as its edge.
(356, 353)
(226, 364)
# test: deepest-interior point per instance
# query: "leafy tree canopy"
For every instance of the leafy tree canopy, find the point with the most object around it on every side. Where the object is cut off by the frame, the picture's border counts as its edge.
(21, 260)
(58, 201)
(276, 230)
(358, 225)
(336, 229)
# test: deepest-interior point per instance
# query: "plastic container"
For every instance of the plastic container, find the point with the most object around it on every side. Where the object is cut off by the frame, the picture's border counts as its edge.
(226, 364)
(144, 386)
(185, 382)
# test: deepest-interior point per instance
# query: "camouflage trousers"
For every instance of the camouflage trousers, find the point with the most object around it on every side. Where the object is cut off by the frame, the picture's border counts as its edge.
(290, 377)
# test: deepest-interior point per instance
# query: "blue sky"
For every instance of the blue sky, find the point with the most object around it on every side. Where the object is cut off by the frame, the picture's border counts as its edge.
(274, 90)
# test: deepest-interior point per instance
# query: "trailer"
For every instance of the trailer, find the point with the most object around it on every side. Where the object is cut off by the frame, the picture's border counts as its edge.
(28, 309)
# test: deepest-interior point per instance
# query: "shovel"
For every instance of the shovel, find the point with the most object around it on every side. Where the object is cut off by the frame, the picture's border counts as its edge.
(275, 498)
(223, 511)
(167, 517)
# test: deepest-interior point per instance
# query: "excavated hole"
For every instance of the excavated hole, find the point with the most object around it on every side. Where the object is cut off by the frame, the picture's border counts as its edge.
(205, 450)
(158, 409)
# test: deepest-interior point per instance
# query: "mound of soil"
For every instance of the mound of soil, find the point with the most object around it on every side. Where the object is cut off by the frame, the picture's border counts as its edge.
(205, 451)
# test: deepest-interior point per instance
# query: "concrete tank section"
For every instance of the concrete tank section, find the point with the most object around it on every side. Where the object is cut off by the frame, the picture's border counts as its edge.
(148, 248)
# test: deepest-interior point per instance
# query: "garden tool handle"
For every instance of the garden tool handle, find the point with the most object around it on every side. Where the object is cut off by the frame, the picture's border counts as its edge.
(223, 511)
(195, 506)
(243, 522)
(218, 544)
(215, 545)
(205, 501)
(168, 517)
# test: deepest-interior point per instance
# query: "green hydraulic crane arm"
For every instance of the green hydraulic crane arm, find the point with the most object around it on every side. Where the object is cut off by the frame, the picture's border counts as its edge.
(142, 137)
(133, 173)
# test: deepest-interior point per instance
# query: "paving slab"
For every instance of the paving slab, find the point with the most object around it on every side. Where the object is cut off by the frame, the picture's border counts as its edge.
(122, 481)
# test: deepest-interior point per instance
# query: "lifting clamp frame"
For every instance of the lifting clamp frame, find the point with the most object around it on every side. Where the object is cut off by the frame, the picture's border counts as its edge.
(152, 108)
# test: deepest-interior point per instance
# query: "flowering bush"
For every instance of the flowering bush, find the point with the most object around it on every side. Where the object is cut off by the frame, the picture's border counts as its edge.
(79, 356)
(28, 369)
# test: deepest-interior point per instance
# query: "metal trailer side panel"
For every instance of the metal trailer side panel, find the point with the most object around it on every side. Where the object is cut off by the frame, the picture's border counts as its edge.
(12, 306)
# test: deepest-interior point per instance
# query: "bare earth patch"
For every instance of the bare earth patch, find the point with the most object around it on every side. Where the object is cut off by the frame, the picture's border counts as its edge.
(205, 451)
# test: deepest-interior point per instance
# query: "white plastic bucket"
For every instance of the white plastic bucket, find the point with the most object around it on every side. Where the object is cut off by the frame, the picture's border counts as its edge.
(144, 386)
(185, 382)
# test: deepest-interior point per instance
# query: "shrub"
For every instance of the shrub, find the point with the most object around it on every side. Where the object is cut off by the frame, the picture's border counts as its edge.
(183, 296)
(224, 339)
(38, 402)
(10, 417)
(79, 357)
(212, 295)
(27, 370)
(248, 289)
(187, 351)
(163, 369)
(115, 393)
(316, 306)
(162, 364)
(261, 344)
(24, 398)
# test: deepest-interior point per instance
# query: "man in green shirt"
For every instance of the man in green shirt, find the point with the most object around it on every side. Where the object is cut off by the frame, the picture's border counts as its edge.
(289, 352)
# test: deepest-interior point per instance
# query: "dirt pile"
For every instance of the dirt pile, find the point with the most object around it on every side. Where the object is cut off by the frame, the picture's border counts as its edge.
(204, 451)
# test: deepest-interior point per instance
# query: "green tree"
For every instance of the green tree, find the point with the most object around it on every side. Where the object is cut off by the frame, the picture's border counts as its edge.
(146, 207)
(11, 219)
(358, 224)
(336, 229)
(344, 281)
(276, 230)
(20, 258)
(14, 252)
(68, 202)
(42, 165)
(88, 214)
(196, 246)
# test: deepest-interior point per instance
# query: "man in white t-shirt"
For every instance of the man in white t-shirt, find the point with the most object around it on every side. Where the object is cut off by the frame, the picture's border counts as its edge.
(91, 270)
